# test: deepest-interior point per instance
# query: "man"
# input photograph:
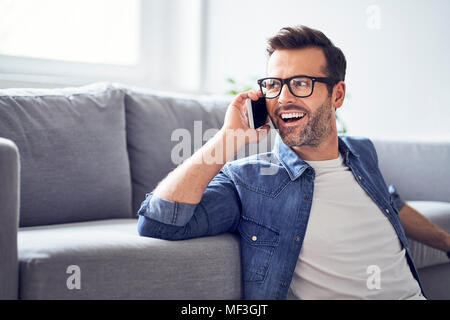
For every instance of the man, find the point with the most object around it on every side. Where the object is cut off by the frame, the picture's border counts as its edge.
(323, 222)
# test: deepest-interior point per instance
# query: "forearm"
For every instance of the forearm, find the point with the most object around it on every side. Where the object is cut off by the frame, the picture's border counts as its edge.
(189, 180)
(419, 228)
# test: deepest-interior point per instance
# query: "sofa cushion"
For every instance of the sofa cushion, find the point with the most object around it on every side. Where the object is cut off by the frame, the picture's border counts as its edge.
(159, 124)
(73, 156)
(438, 213)
(108, 260)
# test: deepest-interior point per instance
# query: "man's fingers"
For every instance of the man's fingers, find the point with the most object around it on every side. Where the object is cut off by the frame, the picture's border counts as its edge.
(254, 95)
(237, 115)
(240, 100)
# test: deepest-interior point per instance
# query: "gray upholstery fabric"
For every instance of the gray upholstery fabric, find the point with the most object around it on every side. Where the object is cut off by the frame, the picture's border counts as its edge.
(72, 144)
(152, 118)
(418, 169)
(9, 218)
(438, 213)
(116, 263)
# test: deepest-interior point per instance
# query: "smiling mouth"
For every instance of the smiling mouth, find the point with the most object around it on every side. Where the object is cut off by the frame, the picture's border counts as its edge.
(292, 117)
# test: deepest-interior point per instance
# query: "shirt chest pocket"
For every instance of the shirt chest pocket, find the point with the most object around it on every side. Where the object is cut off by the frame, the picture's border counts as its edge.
(258, 243)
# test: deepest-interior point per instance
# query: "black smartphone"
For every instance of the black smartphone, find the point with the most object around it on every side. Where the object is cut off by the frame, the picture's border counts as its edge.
(257, 113)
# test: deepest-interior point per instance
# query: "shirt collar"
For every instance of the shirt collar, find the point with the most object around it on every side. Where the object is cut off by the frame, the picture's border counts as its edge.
(295, 166)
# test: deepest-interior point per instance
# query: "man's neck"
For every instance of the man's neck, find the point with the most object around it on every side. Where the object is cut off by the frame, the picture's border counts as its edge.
(326, 150)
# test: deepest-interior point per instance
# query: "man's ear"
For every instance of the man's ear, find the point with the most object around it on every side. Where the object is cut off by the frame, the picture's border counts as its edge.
(338, 94)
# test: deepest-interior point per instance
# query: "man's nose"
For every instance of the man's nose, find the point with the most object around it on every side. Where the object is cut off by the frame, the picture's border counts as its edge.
(286, 97)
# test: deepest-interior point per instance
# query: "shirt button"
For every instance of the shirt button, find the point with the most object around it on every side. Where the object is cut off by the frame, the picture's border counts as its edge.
(297, 238)
(359, 177)
(306, 197)
(254, 238)
(387, 210)
(283, 284)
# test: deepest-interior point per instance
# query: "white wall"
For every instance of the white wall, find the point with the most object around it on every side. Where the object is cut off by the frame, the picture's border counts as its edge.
(398, 74)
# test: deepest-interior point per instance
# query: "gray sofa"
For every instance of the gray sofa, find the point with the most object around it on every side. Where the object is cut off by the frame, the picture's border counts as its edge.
(76, 163)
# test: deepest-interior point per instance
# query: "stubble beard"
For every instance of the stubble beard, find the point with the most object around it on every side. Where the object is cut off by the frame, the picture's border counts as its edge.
(313, 133)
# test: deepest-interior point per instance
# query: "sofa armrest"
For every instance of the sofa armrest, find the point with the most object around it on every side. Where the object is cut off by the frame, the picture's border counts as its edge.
(9, 219)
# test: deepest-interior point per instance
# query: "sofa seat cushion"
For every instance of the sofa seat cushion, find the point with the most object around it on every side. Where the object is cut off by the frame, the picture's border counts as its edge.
(109, 260)
(438, 213)
(73, 156)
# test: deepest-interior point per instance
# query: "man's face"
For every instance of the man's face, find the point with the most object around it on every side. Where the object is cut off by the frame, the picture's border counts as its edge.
(319, 121)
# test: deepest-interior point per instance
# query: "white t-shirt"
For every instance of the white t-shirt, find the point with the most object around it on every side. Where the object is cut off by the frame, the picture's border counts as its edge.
(350, 250)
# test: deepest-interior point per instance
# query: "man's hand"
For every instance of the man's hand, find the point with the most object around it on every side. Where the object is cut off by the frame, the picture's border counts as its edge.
(236, 120)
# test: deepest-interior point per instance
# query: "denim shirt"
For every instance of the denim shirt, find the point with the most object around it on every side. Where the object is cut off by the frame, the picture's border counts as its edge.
(266, 198)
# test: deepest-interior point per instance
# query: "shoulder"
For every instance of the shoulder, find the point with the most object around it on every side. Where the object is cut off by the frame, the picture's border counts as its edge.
(362, 146)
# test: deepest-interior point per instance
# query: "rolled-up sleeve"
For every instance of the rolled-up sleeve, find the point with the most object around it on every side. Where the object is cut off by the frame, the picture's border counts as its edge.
(217, 212)
(166, 211)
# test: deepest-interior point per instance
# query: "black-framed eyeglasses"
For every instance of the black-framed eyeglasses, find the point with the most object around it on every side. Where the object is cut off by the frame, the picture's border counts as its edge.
(300, 86)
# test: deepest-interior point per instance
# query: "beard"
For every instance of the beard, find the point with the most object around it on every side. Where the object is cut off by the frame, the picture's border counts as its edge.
(317, 128)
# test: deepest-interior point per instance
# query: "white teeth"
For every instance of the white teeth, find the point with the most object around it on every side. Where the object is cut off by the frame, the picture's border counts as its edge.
(292, 115)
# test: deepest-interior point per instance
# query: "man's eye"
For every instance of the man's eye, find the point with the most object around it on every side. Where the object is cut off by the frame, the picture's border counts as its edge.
(272, 84)
(299, 83)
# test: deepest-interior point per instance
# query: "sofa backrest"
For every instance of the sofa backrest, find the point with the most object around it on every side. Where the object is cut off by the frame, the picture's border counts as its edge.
(420, 170)
(73, 156)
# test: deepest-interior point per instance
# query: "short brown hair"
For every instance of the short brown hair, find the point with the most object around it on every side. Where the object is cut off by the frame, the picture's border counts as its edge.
(299, 37)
